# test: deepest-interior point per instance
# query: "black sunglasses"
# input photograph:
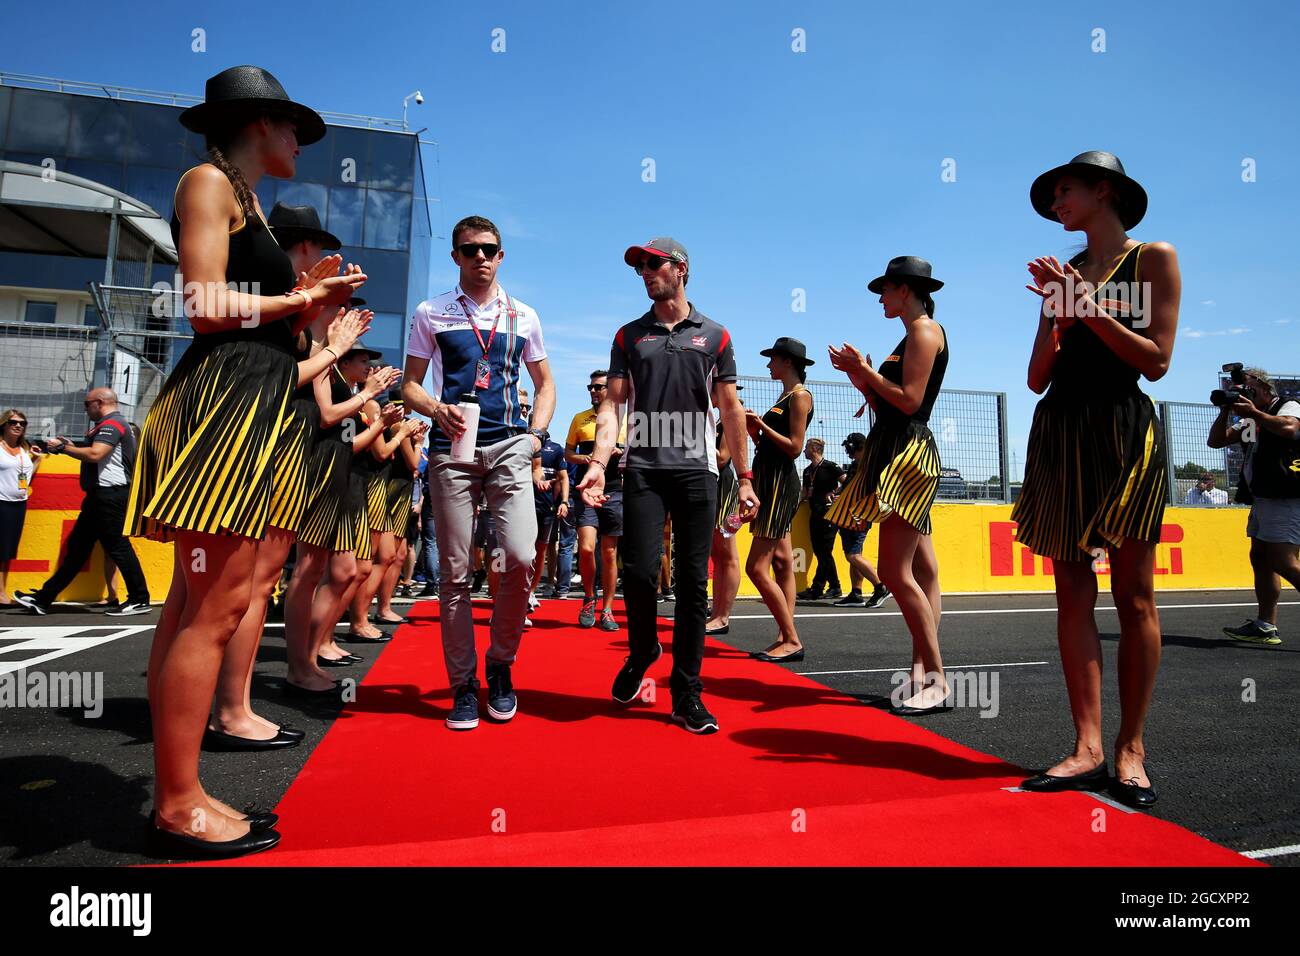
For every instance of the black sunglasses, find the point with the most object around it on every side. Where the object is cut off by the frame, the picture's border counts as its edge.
(471, 249)
(650, 264)
(16, 421)
(595, 388)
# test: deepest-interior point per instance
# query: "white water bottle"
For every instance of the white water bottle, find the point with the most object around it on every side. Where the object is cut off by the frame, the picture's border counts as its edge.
(462, 448)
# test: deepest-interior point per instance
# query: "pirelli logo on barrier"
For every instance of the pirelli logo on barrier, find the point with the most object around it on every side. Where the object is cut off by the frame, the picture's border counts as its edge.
(1010, 558)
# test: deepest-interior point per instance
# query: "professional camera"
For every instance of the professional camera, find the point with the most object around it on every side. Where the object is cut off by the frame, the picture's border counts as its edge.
(1237, 391)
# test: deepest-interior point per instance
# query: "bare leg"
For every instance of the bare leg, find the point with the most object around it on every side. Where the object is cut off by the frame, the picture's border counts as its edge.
(299, 617)
(5, 599)
(757, 567)
(388, 583)
(1080, 646)
(587, 561)
(608, 570)
(381, 544)
(183, 676)
(898, 544)
(345, 572)
(726, 579)
(1133, 587)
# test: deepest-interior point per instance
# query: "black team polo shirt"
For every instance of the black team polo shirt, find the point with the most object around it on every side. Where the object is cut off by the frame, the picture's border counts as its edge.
(671, 423)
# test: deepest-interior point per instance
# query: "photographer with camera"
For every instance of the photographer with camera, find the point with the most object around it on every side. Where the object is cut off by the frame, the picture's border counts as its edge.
(1268, 428)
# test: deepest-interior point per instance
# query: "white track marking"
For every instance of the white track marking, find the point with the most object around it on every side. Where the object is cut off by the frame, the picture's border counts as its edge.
(1272, 851)
(947, 667)
(1004, 610)
(50, 642)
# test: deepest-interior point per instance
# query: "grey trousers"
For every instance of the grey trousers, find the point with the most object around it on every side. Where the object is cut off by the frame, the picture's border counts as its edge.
(502, 472)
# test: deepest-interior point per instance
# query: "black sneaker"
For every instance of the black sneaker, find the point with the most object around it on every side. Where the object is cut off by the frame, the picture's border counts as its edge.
(627, 683)
(429, 590)
(690, 712)
(852, 599)
(833, 595)
(479, 578)
(464, 711)
(879, 596)
(29, 601)
(809, 594)
(502, 703)
(129, 610)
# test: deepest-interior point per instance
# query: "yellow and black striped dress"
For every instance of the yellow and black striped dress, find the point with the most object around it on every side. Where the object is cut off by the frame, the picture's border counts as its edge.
(290, 489)
(728, 488)
(401, 485)
(329, 473)
(354, 529)
(776, 479)
(210, 444)
(1095, 469)
(377, 478)
(899, 470)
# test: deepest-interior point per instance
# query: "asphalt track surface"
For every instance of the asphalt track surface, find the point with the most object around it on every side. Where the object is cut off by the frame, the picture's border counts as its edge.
(74, 790)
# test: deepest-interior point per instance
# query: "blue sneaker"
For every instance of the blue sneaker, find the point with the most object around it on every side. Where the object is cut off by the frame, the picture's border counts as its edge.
(464, 711)
(501, 693)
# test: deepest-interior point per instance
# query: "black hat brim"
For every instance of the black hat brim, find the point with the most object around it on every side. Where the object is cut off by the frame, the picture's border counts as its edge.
(206, 116)
(768, 353)
(877, 285)
(291, 235)
(370, 354)
(1133, 201)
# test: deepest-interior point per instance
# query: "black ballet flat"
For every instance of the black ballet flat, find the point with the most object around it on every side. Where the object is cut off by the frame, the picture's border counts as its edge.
(717, 631)
(355, 638)
(1095, 779)
(293, 690)
(341, 662)
(257, 820)
(178, 844)
(293, 732)
(384, 620)
(1131, 795)
(217, 741)
(767, 658)
(353, 659)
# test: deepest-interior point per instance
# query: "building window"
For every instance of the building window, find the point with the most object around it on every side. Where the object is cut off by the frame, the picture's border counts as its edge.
(42, 312)
(89, 315)
(388, 219)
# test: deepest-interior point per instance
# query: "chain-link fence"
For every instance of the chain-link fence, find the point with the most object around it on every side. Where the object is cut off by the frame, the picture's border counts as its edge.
(46, 369)
(1187, 425)
(969, 427)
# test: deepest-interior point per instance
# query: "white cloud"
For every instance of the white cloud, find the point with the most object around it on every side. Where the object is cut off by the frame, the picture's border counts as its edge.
(1281, 321)
(1202, 333)
(1209, 302)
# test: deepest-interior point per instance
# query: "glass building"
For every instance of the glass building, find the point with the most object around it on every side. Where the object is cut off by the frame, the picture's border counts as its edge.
(365, 178)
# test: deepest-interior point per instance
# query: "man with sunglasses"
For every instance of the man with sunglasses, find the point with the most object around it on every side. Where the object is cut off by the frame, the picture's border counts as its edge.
(671, 367)
(473, 341)
(107, 456)
(607, 518)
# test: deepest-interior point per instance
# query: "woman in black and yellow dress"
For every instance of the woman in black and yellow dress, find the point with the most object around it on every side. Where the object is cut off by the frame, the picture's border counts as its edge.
(1095, 469)
(724, 552)
(401, 485)
(778, 438)
(897, 479)
(205, 471)
(324, 568)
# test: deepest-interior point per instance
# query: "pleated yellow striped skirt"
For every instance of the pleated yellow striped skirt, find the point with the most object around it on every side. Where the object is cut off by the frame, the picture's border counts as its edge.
(354, 528)
(377, 502)
(1095, 474)
(898, 474)
(290, 490)
(399, 504)
(327, 474)
(728, 495)
(778, 490)
(207, 449)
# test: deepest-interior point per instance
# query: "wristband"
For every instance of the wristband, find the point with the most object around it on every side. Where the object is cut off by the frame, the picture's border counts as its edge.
(595, 461)
(744, 476)
(305, 297)
(326, 348)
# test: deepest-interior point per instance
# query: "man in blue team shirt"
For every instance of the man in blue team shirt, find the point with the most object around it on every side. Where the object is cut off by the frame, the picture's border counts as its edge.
(473, 340)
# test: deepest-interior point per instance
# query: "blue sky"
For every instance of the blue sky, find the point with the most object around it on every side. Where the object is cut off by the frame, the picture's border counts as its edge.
(781, 170)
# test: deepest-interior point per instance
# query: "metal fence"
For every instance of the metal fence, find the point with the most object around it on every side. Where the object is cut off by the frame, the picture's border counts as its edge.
(969, 427)
(46, 369)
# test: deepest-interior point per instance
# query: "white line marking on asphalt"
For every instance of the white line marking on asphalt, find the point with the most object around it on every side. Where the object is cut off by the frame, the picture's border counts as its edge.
(55, 641)
(1272, 851)
(949, 667)
(993, 610)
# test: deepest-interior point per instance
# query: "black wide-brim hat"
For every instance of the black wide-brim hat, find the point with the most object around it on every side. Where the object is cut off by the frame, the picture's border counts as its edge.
(792, 349)
(1132, 197)
(242, 91)
(293, 224)
(910, 269)
(360, 348)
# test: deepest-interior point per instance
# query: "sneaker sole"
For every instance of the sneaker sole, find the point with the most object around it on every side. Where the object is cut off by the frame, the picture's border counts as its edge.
(131, 613)
(501, 715)
(706, 729)
(461, 724)
(1252, 639)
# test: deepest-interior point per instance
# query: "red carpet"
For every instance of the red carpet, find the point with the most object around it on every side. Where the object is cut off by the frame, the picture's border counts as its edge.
(799, 775)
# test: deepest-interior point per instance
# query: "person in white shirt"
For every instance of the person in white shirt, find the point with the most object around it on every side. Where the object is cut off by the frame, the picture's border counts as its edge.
(1204, 492)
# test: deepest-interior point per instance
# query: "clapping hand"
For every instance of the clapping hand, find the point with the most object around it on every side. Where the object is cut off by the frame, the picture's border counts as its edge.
(328, 266)
(346, 328)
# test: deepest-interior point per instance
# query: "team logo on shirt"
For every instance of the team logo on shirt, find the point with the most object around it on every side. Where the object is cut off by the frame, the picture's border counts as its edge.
(645, 338)
(699, 341)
